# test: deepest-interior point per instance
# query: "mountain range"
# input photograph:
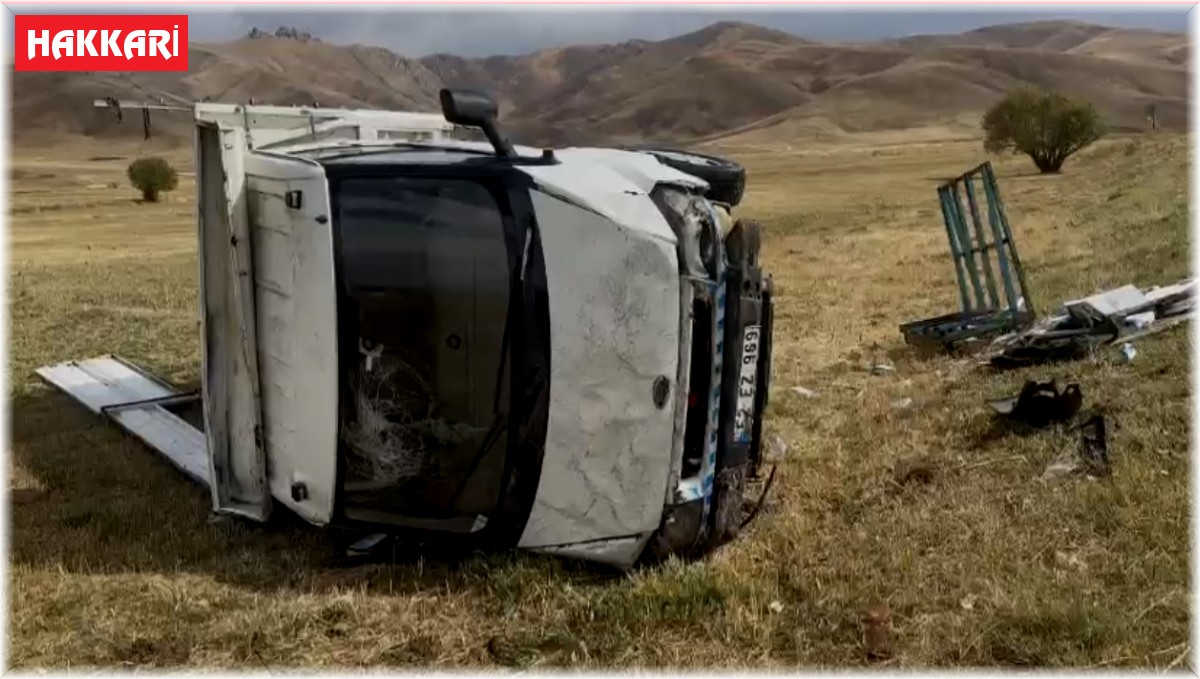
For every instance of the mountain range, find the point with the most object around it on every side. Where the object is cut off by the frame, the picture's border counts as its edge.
(726, 79)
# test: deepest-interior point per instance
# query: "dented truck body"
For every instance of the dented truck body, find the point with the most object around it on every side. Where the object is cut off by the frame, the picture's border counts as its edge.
(458, 341)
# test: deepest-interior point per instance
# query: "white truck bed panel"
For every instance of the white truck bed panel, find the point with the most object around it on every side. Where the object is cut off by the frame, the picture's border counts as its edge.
(105, 383)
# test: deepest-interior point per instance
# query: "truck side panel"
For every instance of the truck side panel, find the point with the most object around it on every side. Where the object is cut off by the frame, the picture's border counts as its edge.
(232, 415)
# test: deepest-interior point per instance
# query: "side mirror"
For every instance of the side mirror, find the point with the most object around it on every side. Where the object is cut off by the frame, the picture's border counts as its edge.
(467, 107)
(475, 109)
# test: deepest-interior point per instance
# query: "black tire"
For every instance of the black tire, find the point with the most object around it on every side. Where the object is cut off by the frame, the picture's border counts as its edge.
(726, 179)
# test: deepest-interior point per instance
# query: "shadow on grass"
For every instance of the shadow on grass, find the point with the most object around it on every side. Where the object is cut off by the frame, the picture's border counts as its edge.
(999, 428)
(104, 503)
(1032, 173)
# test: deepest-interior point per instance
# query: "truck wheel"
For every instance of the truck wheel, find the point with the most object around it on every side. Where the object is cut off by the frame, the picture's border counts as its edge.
(726, 179)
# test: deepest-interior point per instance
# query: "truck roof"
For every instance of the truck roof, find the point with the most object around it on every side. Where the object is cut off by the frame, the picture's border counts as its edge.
(602, 180)
(443, 152)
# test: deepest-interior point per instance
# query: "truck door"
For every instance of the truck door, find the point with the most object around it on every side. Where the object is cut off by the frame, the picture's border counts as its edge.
(287, 202)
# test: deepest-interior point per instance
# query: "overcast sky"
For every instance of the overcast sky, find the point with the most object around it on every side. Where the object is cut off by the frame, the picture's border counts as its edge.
(485, 31)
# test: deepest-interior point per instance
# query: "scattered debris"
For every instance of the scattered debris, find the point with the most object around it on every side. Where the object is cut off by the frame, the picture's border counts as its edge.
(882, 368)
(1040, 404)
(1140, 321)
(903, 403)
(1094, 446)
(1172, 300)
(806, 393)
(876, 622)
(367, 544)
(1046, 350)
(1067, 464)
(1129, 352)
(1114, 303)
(1082, 326)
(985, 312)
(775, 606)
(968, 602)
(1090, 459)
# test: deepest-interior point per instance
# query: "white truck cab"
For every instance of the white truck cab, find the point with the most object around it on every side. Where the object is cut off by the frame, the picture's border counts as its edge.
(442, 340)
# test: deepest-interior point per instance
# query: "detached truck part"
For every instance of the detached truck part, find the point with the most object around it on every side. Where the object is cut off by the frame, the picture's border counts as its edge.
(566, 351)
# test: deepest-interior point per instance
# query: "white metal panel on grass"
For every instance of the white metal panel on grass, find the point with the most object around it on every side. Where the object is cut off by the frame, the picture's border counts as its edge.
(104, 382)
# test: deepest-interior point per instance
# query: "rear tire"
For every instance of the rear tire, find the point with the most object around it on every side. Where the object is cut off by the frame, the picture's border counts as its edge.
(726, 179)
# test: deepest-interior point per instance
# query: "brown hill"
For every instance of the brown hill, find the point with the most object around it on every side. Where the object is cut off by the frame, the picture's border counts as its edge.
(728, 77)
(1070, 36)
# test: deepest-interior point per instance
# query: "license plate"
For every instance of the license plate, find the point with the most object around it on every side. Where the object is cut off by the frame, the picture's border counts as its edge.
(747, 383)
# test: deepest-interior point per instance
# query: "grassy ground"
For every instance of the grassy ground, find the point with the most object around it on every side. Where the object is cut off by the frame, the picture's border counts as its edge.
(114, 559)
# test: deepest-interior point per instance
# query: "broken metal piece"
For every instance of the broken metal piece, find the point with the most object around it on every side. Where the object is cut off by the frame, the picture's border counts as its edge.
(1089, 459)
(1123, 314)
(1115, 303)
(954, 330)
(367, 545)
(1039, 353)
(1093, 446)
(1128, 351)
(1172, 300)
(1040, 404)
(134, 400)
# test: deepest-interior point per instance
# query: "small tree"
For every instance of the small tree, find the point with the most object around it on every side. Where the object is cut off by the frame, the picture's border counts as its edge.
(1047, 127)
(152, 176)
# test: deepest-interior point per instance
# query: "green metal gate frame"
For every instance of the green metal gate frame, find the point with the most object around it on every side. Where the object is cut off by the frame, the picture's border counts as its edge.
(973, 252)
(986, 306)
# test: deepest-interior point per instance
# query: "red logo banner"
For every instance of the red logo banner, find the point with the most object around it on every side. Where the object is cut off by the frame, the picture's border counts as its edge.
(100, 42)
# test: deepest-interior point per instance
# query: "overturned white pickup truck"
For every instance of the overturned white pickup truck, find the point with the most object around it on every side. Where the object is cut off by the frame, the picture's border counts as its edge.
(436, 339)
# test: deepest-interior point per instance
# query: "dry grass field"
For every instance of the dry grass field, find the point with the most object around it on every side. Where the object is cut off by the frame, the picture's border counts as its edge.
(115, 562)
